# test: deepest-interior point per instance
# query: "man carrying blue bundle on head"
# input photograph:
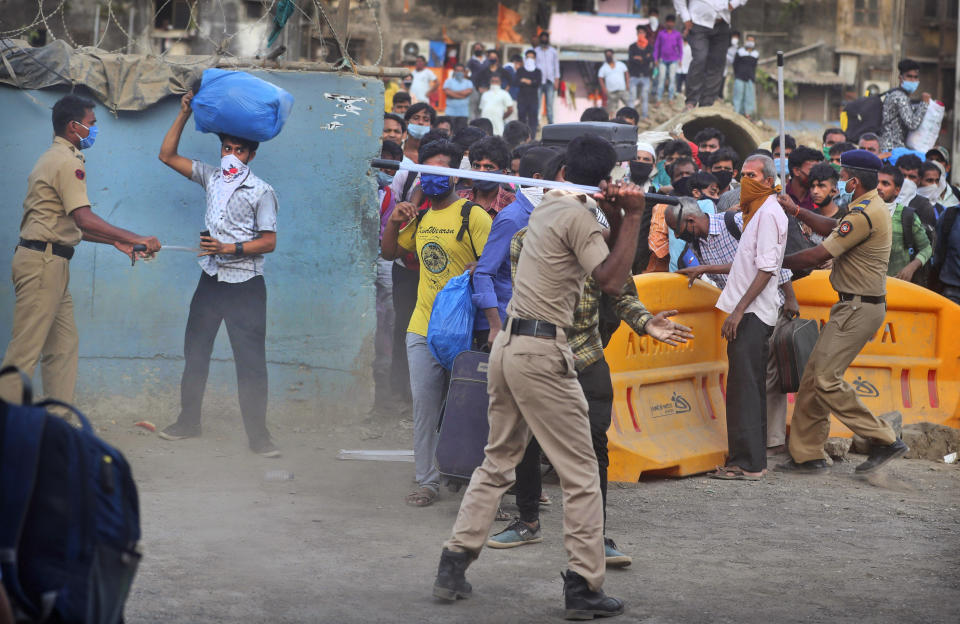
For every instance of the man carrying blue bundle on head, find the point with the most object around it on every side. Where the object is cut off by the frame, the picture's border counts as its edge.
(241, 226)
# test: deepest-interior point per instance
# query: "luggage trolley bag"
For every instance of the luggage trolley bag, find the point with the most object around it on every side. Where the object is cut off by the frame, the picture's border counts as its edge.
(463, 424)
(792, 345)
(71, 520)
(622, 136)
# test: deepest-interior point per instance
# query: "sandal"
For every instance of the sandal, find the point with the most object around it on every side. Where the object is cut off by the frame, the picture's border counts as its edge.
(502, 516)
(733, 473)
(422, 497)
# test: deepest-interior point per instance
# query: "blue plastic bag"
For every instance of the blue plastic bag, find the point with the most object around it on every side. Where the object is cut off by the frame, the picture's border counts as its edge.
(450, 331)
(236, 103)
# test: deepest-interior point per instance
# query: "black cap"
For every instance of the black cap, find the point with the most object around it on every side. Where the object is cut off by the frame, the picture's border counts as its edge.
(860, 159)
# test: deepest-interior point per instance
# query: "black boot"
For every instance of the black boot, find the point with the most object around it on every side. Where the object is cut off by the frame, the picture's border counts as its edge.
(451, 582)
(582, 603)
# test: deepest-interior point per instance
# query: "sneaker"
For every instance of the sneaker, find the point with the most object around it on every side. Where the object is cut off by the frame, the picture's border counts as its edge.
(879, 455)
(615, 558)
(517, 533)
(814, 466)
(265, 449)
(178, 431)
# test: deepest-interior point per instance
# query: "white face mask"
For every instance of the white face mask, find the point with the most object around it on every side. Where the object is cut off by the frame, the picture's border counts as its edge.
(529, 64)
(654, 22)
(930, 193)
(734, 41)
(749, 45)
(494, 87)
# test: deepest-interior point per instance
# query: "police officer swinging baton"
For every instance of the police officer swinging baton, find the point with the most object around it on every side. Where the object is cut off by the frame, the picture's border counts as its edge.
(381, 163)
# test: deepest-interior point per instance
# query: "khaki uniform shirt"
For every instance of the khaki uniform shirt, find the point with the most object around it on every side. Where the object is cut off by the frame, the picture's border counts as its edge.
(56, 187)
(860, 246)
(564, 244)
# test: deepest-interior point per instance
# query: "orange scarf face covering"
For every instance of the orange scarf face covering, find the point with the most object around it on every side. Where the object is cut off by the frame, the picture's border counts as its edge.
(752, 196)
(642, 40)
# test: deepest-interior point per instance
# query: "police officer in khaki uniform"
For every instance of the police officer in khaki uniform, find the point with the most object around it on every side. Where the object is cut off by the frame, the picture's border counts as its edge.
(56, 217)
(860, 248)
(532, 380)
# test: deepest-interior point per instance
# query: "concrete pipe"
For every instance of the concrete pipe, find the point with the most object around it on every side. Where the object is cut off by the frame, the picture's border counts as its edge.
(742, 134)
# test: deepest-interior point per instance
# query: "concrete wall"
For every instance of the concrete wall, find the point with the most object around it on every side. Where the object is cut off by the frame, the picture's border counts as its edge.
(320, 280)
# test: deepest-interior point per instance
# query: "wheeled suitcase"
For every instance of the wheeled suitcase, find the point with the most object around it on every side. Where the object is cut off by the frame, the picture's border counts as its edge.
(463, 425)
(792, 345)
(622, 136)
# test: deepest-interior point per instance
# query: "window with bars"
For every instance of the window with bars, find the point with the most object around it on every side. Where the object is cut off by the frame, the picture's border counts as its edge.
(865, 13)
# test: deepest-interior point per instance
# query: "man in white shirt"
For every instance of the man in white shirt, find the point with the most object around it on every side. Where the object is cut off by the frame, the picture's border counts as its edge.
(613, 81)
(707, 28)
(751, 298)
(496, 104)
(424, 81)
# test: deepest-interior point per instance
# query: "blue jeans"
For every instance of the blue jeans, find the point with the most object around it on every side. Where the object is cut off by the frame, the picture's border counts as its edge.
(665, 68)
(428, 385)
(548, 91)
(643, 95)
(744, 97)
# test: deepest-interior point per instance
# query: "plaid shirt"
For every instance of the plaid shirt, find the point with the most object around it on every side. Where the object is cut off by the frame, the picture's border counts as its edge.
(899, 254)
(584, 336)
(503, 199)
(719, 247)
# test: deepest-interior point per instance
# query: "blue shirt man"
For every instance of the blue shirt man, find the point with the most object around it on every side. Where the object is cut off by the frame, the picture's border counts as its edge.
(458, 107)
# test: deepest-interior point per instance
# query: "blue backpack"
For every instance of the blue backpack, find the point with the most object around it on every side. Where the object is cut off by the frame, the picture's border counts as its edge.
(71, 520)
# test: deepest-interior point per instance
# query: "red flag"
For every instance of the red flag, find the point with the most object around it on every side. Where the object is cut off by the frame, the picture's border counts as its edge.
(507, 20)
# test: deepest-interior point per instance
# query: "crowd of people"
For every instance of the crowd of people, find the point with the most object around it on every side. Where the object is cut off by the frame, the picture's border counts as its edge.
(861, 212)
(693, 53)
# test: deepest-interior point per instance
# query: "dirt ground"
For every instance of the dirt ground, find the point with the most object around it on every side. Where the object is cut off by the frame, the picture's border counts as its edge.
(338, 544)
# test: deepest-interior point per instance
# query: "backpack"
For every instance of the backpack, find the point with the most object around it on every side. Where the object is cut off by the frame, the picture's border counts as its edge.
(862, 115)
(906, 223)
(71, 520)
(464, 224)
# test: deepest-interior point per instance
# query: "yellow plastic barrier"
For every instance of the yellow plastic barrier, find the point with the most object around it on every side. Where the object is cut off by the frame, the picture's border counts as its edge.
(668, 405)
(669, 416)
(912, 365)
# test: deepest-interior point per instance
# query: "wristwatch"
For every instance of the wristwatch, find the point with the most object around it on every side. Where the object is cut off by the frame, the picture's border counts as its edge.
(238, 249)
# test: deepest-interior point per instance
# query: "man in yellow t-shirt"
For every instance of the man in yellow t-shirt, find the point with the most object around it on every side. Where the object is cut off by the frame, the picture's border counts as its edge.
(444, 252)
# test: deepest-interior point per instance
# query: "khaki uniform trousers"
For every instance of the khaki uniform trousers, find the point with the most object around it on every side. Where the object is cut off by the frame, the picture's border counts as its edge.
(534, 391)
(823, 389)
(43, 325)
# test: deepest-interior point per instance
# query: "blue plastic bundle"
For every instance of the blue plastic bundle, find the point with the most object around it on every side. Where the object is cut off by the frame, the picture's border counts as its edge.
(450, 331)
(236, 103)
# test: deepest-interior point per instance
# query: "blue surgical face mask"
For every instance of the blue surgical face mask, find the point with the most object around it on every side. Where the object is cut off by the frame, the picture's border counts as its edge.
(777, 164)
(417, 131)
(384, 178)
(842, 194)
(910, 85)
(434, 185)
(88, 141)
(458, 75)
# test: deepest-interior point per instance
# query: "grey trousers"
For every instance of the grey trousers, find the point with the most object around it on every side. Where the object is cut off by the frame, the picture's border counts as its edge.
(708, 47)
(746, 390)
(776, 400)
(428, 385)
(383, 338)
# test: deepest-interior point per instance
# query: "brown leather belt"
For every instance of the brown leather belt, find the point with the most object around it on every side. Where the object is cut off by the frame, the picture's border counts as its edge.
(863, 298)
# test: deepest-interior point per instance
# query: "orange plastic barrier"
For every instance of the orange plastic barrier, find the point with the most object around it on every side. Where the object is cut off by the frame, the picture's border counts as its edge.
(912, 365)
(668, 405)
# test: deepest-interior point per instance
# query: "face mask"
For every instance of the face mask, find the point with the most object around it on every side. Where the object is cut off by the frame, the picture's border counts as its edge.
(777, 165)
(749, 45)
(407, 83)
(609, 59)
(640, 171)
(734, 41)
(485, 186)
(723, 178)
(464, 163)
(88, 141)
(654, 22)
(686, 236)
(417, 131)
(478, 52)
(681, 188)
(825, 202)
(529, 64)
(494, 87)
(544, 42)
(842, 193)
(384, 178)
(910, 85)
(826, 153)
(458, 75)
(434, 186)
(930, 193)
